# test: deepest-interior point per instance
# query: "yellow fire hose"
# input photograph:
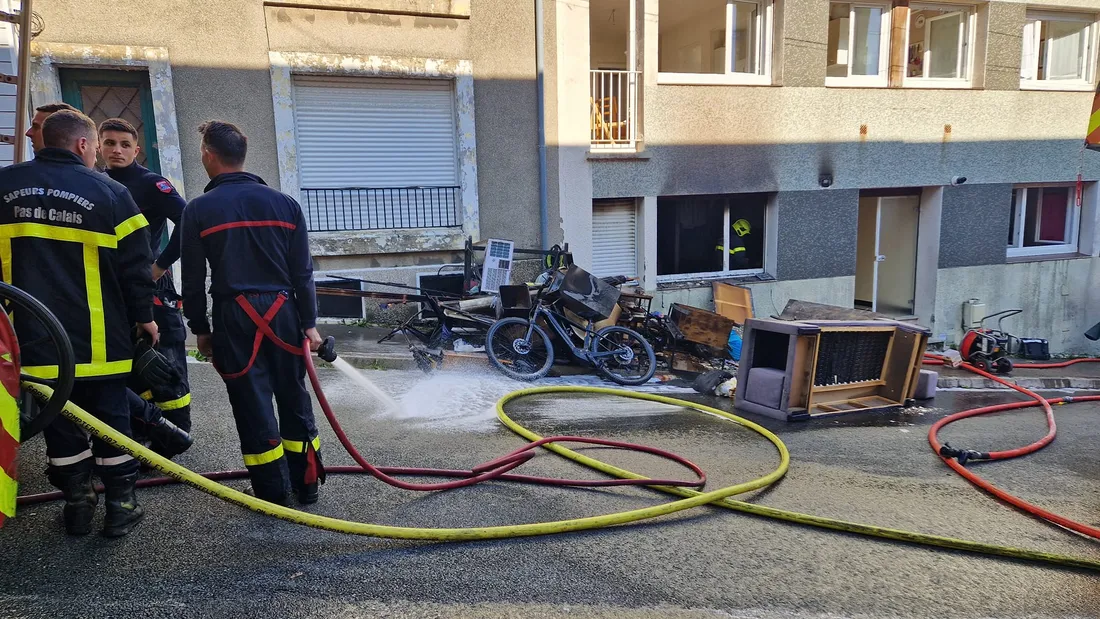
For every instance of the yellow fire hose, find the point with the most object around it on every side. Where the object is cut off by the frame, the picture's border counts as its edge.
(691, 498)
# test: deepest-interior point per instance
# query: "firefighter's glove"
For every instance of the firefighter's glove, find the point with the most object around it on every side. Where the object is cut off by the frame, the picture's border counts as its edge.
(153, 368)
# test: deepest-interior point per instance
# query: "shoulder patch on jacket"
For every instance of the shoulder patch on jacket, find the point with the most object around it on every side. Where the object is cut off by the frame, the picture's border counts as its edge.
(164, 186)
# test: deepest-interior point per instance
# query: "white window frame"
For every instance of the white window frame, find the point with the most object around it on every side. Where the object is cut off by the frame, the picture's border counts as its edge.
(1029, 75)
(863, 81)
(726, 273)
(1073, 223)
(966, 54)
(765, 26)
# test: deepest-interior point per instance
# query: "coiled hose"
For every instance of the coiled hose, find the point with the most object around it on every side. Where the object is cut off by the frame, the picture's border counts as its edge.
(691, 498)
(957, 458)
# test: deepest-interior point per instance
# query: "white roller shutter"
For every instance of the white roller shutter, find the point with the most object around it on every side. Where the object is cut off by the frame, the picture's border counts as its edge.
(614, 238)
(371, 134)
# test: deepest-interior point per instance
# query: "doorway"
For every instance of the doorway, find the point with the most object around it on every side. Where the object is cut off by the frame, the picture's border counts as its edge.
(110, 93)
(886, 254)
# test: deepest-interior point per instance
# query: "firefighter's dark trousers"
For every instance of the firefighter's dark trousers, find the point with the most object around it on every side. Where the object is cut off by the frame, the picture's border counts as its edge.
(67, 445)
(280, 454)
(173, 400)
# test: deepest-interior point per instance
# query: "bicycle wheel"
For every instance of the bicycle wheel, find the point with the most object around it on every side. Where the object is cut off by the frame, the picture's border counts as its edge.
(519, 348)
(633, 362)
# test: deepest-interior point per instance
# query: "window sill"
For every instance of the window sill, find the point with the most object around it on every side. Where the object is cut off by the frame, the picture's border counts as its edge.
(921, 83)
(1018, 259)
(685, 282)
(389, 241)
(1057, 86)
(847, 82)
(600, 154)
(713, 79)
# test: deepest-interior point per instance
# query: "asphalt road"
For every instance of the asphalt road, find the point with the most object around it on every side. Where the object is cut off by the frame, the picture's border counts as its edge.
(195, 556)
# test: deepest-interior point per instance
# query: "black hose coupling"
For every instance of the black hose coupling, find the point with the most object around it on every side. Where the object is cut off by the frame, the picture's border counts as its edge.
(327, 351)
(962, 455)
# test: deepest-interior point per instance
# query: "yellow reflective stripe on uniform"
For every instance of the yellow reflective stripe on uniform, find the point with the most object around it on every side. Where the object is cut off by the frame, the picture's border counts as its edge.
(270, 455)
(9, 415)
(176, 404)
(5, 258)
(732, 251)
(93, 284)
(137, 222)
(8, 491)
(147, 396)
(300, 446)
(83, 370)
(58, 233)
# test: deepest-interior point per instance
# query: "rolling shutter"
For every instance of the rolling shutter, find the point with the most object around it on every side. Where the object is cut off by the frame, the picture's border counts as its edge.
(614, 238)
(8, 66)
(374, 133)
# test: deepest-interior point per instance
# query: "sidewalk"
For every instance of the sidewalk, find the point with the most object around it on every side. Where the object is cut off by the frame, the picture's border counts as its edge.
(359, 346)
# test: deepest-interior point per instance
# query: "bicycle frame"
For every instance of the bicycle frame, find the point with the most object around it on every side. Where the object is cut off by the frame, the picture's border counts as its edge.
(555, 320)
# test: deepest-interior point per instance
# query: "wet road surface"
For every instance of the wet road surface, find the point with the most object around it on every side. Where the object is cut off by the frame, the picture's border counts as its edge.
(195, 556)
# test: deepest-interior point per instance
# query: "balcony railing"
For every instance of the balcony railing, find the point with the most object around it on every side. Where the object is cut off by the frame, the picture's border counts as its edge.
(381, 208)
(614, 110)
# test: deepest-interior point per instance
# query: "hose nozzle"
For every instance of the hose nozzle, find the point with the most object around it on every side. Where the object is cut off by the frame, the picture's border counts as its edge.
(327, 351)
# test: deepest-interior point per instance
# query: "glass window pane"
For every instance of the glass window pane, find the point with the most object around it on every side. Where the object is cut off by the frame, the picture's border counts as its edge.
(838, 46)
(744, 53)
(943, 46)
(1054, 215)
(866, 43)
(691, 36)
(1062, 50)
(689, 234)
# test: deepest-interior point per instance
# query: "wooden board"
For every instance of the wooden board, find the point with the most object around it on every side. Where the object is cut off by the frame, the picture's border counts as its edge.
(701, 326)
(733, 302)
(804, 310)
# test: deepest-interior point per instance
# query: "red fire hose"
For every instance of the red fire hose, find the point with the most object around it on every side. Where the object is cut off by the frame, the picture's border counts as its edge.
(497, 469)
(957, 459)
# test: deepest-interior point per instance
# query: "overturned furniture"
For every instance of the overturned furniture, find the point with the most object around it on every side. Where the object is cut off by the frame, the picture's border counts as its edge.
(798, 370)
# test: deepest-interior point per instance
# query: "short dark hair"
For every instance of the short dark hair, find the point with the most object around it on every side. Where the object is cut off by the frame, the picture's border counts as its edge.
(225, 140)
(117, 124)
(50, 108)
(60, 129)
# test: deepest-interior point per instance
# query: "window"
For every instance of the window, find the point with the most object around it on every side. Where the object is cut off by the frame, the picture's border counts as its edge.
(377, 154)
(939, 46)
(702, 236)
(109, 93)
(859, 44)
(714, 42)
(1058, 51)
(1044, 221)
(614, 238)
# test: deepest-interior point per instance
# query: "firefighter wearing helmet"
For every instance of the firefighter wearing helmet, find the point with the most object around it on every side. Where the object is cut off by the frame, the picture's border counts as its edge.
(739, 258)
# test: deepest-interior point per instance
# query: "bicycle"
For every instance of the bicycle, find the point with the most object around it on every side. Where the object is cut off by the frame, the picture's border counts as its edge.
(521, 348)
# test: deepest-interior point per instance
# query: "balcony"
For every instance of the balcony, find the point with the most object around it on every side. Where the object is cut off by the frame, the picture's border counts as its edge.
(614, 110)
(380, 208)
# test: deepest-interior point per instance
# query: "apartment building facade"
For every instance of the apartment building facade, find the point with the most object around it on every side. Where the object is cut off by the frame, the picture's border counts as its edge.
(837, 134)
(903, 157)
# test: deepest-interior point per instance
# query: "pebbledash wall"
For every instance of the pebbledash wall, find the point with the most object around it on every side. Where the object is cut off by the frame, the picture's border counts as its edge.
(725, 139)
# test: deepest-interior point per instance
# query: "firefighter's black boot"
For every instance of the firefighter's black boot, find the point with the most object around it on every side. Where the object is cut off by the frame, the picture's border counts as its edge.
(167, 438)
(123, 511)
(80, 498)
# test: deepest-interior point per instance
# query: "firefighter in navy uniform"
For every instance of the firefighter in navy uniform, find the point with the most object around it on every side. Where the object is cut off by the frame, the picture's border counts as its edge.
(739, 258)
(261, 274)
(75, 240)
(160, 203)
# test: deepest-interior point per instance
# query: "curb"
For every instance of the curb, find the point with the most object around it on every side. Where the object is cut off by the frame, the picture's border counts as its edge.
(1084, 384)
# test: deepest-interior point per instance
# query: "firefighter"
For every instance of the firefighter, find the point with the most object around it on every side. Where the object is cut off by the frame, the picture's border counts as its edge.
(160, 203)
(261, 282)
(41, 113)
(75, 240)
(739, 258)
